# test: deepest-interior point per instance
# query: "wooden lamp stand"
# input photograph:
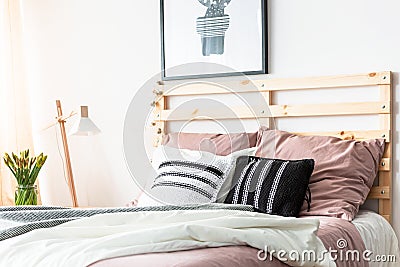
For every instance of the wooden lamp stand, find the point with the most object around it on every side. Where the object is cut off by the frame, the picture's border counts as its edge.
(71, 184)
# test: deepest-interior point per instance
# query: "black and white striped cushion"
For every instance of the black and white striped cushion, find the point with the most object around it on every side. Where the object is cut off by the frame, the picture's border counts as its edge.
(272, 186)
(203, 179)
(189, 177)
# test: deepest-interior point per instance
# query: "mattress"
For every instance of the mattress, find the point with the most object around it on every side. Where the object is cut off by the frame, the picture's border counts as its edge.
(368, 231)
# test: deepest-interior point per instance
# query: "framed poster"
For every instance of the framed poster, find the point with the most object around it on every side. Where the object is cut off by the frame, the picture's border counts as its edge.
(213, 38)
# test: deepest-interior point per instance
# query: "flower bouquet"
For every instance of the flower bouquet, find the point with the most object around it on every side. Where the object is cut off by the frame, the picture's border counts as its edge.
(25, 169)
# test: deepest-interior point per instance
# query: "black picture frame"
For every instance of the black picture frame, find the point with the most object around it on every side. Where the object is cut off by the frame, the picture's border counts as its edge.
(165, 53)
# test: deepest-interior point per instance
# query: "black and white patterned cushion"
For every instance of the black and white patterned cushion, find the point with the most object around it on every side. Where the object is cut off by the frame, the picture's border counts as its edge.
(198, 177)
(272, 186)
(189, 177)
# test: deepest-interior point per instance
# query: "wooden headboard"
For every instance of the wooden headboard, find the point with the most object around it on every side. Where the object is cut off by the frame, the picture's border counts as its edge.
(268, 87)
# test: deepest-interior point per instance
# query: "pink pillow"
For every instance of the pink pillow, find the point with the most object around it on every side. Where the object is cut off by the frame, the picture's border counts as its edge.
(344, 169)
(219, 144)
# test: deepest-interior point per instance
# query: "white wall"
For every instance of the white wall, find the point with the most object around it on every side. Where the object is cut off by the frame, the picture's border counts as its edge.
(98, 52)
(95, 53)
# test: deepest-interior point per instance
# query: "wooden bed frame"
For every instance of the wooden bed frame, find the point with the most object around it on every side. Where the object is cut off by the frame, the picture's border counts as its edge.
(383, 80)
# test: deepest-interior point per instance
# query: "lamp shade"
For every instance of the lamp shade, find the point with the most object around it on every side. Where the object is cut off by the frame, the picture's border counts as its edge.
(84, 126)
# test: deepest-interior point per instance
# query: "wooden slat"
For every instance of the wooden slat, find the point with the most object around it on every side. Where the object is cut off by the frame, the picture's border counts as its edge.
(368, 79)
(387, 217)
(228, 87)
(352, 135)
(379, 192)
(385, 177)
(204, 113)
(160, 126)
(276, 111)
(268, 99)
(385, 96)
(386, 119)
(385, 205)
(314, 110)
(209, 88)
(388, 150)
(385, 165)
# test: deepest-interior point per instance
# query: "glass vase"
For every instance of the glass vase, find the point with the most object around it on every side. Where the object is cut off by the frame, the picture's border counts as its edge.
(26, 195)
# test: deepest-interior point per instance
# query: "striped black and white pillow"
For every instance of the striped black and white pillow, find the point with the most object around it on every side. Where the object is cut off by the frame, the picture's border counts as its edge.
(201, 178)
(272, 186)
(190, 177)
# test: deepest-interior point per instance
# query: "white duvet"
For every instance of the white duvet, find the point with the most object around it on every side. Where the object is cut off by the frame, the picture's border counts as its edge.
(378, 236)
(85, 241)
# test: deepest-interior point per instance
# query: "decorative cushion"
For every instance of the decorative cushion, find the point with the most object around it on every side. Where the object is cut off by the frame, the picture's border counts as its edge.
(190, 177)
(219, 144)
(272, 186)
(344, 169)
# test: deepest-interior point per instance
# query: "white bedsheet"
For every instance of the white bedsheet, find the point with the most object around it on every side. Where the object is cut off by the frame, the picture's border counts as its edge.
(82, 242)
(378, 237)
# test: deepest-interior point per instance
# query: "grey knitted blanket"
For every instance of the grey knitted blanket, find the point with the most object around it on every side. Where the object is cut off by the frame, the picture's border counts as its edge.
(19, 220)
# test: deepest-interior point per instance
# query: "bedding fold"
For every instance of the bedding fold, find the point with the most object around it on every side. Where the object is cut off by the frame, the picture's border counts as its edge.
(85, 241)
(330, 231)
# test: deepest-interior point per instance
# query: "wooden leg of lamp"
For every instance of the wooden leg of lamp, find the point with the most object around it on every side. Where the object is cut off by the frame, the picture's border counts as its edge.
(70, 177)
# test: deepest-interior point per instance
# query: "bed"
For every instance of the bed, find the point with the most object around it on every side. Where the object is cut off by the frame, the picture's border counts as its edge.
(234, 233)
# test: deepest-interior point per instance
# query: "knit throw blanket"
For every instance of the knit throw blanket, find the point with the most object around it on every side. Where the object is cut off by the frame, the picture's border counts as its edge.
(19, 220)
